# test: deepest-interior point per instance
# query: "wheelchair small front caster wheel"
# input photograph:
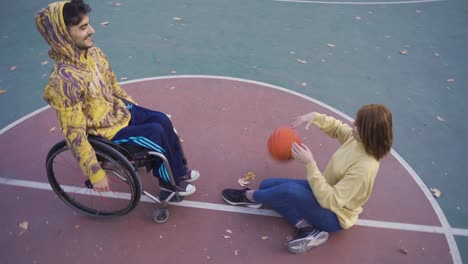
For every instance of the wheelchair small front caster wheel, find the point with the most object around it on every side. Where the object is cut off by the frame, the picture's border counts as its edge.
(161, 215)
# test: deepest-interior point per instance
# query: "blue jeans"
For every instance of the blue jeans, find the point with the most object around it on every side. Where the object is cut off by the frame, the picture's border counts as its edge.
(294, 200)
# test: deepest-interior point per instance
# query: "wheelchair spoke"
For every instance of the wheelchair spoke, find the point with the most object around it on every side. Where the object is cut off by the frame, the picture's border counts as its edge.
(67, 175)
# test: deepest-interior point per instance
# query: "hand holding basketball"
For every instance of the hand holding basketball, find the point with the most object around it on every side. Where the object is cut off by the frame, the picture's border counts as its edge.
(280, 142)
(307, 118)
(302, 153)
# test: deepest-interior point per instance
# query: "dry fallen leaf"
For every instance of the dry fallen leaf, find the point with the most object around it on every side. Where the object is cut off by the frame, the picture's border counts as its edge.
(441, 119)
(2, 91)
(264, 237)
(450, 80)
(44, 62)
(105, 23)
(52, 129)
(24, 227)
(304, 84)
(436, 54)
(173, 72)
(124, 78)
(117, 4)
(236, 252)
(403, 251)
(418, 11)
(302, 61)
(403, 52)
(331, 45)
(12, 68)
(292, 52)
(229, 231)
(358, 18)
(226, 237)
(177, 18)
(249, 176)
(436, 193)
(242, 182)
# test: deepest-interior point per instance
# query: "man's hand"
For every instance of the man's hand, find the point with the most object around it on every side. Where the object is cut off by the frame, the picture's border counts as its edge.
(102, 185)
(307, 118)
(302, 153)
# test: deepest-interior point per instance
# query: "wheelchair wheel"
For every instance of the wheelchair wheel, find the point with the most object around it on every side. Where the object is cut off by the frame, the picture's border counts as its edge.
(73, 187)
(161, 215)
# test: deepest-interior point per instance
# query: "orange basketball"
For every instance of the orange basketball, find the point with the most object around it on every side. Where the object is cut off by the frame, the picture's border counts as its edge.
(280, 142)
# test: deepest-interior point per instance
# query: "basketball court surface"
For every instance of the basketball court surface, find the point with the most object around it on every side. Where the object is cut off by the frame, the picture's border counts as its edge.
(229, 72)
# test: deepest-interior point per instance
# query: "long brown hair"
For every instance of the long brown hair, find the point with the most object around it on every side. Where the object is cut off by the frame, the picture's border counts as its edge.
(374, 124)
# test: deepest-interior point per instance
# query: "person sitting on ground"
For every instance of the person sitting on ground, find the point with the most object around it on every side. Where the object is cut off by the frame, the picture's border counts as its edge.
(88, 100)
(332, 200)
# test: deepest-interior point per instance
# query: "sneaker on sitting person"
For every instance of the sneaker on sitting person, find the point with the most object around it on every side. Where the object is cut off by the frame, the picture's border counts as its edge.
(183, 189)
(307, 238)
(238, 197)
(190, 176)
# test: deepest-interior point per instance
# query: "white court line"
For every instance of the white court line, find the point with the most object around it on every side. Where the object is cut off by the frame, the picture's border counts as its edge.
(440, 214)
(359, 3)
(227, 208)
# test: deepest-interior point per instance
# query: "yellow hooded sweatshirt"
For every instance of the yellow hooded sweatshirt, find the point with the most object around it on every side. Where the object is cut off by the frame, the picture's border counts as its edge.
(82, 89)
(346, 184)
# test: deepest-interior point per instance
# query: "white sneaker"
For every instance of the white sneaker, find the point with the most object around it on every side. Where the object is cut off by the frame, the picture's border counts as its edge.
(190, 176)
(306, 239)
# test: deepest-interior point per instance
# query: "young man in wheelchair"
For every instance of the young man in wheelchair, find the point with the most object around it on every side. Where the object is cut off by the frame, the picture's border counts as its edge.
(87, 99)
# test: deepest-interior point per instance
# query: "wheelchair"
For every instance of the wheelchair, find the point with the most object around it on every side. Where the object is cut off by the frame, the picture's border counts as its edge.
(121, 164)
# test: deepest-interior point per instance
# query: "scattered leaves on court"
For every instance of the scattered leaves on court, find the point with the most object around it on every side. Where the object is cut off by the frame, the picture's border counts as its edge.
(441, 119)
(12, 68)
(52, 129)
(23, 226)
(301, 61)
(436, 192)
(249, 176)
(105, 23)
(403, 52)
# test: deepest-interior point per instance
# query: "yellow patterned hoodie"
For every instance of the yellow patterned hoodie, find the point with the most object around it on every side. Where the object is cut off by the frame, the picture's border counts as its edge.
(82, 89)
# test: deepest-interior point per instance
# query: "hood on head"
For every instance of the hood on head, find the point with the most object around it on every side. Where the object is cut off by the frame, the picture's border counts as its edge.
(51, 25)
